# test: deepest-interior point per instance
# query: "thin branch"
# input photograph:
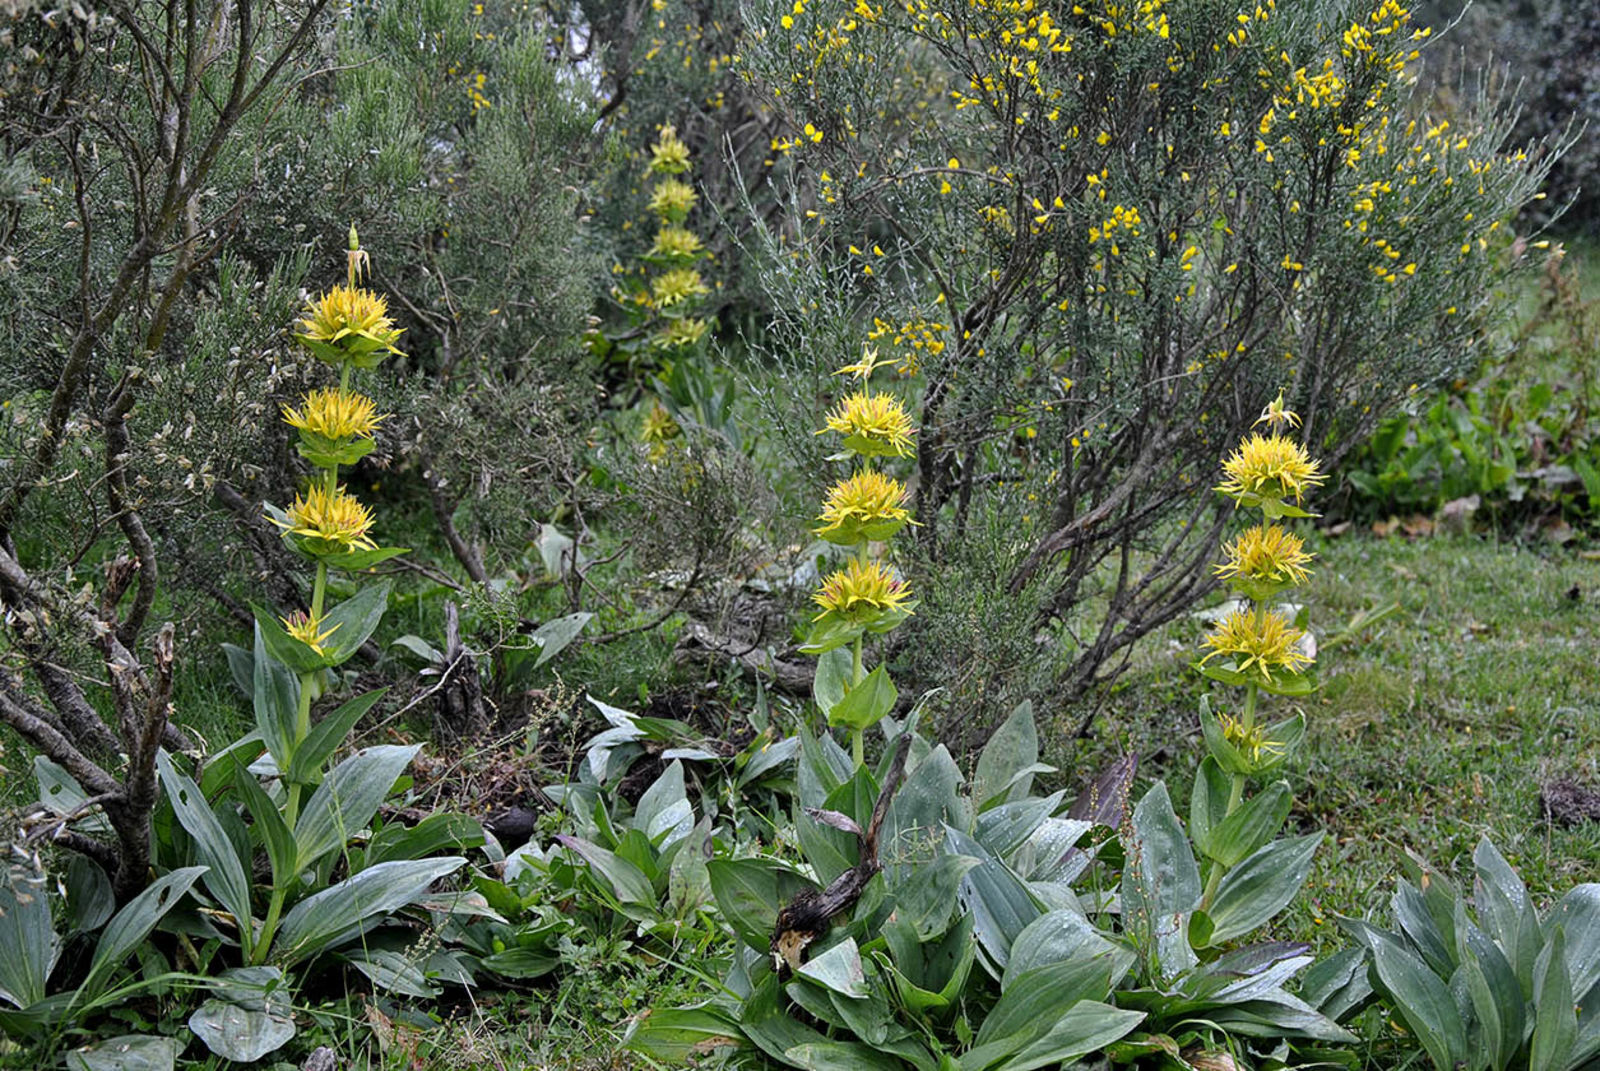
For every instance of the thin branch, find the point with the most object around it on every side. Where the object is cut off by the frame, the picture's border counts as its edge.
(33, 727)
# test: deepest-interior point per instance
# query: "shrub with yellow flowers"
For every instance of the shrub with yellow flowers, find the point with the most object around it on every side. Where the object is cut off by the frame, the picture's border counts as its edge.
(1256, 645)
(866, 596)
(1090, 227)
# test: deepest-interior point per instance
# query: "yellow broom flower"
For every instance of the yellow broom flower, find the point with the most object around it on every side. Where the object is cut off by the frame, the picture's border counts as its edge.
(669, 156)
(335, 414)
(862, 593)
(672, 199)
(1269, 469)
(308, 630)
(349, 324)
(873, 425)
(1258, 646)
(329, 524)
(867, 506)
(1263, 560)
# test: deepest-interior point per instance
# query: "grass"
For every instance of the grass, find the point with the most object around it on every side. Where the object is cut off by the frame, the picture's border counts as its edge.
(1433, 728)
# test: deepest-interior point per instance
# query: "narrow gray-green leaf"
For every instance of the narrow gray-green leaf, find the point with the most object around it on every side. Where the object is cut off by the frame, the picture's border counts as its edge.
(626, 881)
(1013, 747)
(28, 944)
(225, 878)
(1087, 1027)
(1241, 833)
(268, 823)
(326, 736)
(129, 927)
(1506, 912)
(275, 697)
(1160, 885)
(354, 620)
(1423, 1001)
(555, 636)
(1578, 914)
(1555, 1023)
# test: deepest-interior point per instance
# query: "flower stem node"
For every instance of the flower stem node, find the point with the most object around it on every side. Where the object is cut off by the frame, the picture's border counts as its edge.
(669, 156)
(1268, 470)
(336, 426)
(308, 630)
(1249, 750)
(1263, 649)
(860, 598)
(1264, 560)
(326, 524)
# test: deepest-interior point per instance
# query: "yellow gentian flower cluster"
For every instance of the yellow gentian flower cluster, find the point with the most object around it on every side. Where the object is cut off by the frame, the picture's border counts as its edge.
(864, 508)
(1257, 645)
(1265, 472)
(874, 424)
(676, 248)
(862, 592)
(350, 328)
(674, 285)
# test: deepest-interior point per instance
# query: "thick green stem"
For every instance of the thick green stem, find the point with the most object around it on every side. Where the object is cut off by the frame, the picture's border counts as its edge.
(269, 927)
(319, 591)
(331, 484)
(1247, 719)
(858, 673)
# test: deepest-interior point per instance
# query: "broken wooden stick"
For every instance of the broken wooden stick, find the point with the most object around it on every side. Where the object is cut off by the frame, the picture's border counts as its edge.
(810, 914)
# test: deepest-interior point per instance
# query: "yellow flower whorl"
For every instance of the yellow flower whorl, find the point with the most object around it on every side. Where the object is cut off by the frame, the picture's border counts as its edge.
(874, 424)
(335, 523)
(867, 506)
(862, 592)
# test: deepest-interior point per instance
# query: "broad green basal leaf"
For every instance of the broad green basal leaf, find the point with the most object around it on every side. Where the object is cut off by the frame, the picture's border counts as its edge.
(345, 802)
(28, 944)
(346, 910)
(1160, 886)
(130, 1052)
(1261, 886)
(249, 1017)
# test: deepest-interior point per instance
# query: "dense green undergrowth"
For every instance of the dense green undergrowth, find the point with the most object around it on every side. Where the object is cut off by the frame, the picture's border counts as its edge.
(581, 778)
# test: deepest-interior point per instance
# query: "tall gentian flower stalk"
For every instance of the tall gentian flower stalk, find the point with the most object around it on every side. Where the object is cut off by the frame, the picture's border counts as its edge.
(1256, 645)
(866, 596)
(348, 328)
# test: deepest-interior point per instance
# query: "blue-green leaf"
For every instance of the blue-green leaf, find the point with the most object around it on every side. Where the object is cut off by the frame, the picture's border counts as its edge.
(1257, 889)
(1160, 885)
